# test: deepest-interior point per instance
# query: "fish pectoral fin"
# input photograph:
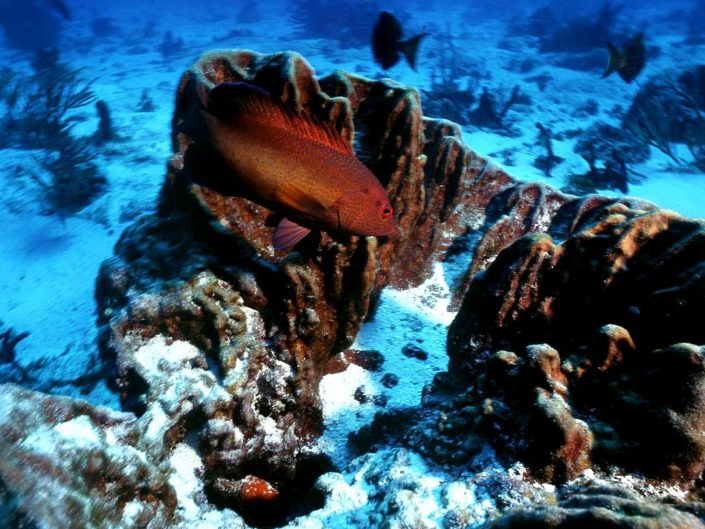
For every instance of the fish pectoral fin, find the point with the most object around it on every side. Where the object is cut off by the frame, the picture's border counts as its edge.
(287, 234)
(301, 200)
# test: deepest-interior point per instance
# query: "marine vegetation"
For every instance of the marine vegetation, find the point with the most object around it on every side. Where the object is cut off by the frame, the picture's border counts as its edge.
(170, 45)
(9, 339)
(40, 113)
(575, 42)
(105, 132)
(71, 179)
(39, 109)
(608, 152)
(146, 103)
(454, 80)
(549, 160)
(492, 109)
(666, 112)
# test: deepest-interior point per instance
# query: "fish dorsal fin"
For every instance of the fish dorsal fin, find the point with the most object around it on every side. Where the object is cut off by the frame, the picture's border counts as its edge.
(226, 100)
(287, 234)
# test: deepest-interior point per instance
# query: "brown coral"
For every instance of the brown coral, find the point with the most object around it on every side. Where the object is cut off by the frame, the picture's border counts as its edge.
(616, 298)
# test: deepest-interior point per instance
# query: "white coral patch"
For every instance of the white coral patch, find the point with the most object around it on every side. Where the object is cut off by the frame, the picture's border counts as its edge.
(157, 423)
(132, 512)
(272, 434)
(255, 323)
(341, 497)
(186, 465)
(429, 299)
(337, 391)
(79, 432)
(157, 350)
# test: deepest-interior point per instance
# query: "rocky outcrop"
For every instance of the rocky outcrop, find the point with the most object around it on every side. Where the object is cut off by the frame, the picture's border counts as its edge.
(580, 352)
(569, 348)
(511, 210)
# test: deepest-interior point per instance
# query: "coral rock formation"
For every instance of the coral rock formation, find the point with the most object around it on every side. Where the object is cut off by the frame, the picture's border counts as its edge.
(202, 269)
(621, 299)
(69, 464)
(576, 342)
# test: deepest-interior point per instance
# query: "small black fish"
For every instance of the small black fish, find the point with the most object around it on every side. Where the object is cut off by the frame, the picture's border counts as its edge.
(387, 43)
(627, 63)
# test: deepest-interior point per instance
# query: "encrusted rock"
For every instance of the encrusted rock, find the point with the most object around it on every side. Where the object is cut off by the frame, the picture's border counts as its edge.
(69, 464)
(512, 210)
(598, 506)
(617, 299)
(642, 270)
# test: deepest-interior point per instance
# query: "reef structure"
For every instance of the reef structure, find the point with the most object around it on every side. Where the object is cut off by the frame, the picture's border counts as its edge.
(202, 270)
(217, 343)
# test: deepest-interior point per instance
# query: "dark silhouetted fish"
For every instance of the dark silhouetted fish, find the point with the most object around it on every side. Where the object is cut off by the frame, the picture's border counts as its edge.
(293, 165)
(628, 63)
(387, 43)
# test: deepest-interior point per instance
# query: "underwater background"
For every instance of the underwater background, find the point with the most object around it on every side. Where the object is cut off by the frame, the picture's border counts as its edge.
(529, 351)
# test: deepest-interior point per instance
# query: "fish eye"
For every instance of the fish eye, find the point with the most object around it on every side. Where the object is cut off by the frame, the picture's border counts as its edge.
(386, 212)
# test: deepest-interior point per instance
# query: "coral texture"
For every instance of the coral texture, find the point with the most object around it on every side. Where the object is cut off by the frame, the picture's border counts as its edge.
(67, 463)
(577, 337)
(599, 506)
(202, 269)
(620, 301)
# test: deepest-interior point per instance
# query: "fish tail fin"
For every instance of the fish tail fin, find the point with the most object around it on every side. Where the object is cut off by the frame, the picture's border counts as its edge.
(410, 47)
(615, 60)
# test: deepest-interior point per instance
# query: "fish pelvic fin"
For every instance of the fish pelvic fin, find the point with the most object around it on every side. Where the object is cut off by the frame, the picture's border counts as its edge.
(226, 100)
(288, 234)
(615, 61)
(410, 48)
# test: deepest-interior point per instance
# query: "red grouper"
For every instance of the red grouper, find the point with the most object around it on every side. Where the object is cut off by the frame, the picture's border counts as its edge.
(294, 165)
